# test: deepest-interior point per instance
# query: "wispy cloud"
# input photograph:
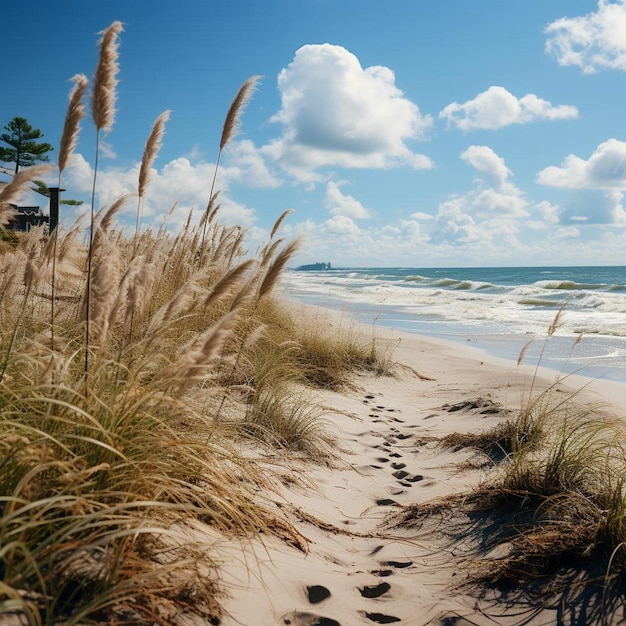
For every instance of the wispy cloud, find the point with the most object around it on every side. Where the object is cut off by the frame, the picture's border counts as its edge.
(592, 42)
(497, 108)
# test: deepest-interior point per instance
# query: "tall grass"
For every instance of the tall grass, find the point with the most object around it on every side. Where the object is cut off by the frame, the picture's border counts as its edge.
(116, 358)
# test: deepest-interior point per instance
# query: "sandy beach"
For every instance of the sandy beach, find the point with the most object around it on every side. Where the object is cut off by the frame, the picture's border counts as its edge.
(346, 566)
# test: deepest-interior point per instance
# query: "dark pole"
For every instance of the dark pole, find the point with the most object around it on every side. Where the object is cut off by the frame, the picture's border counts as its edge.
(54, 207)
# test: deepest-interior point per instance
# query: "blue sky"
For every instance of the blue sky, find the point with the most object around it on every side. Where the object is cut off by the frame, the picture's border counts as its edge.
(402, 133)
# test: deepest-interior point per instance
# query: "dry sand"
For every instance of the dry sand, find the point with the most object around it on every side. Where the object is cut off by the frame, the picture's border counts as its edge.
(352, 571)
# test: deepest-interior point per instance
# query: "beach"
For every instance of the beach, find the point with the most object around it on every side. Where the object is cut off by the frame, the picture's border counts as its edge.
(347, 566)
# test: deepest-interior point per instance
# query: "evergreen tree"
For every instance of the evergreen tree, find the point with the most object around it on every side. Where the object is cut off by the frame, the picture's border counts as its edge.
(24, 151)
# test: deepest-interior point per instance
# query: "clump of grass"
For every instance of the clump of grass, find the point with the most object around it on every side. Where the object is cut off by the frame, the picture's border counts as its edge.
(328, 353)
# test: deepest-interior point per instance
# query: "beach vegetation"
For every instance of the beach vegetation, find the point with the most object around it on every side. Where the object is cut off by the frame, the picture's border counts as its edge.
(135, 369)
(548, 520)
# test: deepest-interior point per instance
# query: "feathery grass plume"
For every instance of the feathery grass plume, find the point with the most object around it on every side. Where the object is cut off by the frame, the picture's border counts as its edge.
(71, 127)
(11, 191)
(73, 117)
(226, 282)
(231, 124)
(103, 111)
(274, 270)
(107, 219)
(523, 351)
(209, 213)
(229, 130)
(197, 358)
(556, 322)
(279, 221)
(103, 96)
(153, 145)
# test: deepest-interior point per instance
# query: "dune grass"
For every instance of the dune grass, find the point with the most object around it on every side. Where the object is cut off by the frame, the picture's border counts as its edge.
(132, 367)
(549, 520)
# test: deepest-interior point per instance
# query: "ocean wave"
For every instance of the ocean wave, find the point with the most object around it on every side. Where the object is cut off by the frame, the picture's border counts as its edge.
(538, 302)
(416, 278)
(445, 282)
(568, 285)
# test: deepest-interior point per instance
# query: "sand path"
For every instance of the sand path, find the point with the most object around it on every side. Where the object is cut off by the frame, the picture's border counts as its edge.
(353, 571)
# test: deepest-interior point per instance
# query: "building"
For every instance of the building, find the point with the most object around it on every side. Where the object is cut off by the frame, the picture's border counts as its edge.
(26, 217)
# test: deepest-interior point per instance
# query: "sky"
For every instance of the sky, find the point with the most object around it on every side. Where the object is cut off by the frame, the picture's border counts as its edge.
(412, 133)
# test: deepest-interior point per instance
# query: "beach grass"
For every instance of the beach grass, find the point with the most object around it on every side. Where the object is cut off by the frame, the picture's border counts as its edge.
(548, 519)
(132, 368)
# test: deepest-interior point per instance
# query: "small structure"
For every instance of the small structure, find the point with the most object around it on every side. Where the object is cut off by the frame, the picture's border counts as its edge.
(26, 217)
(314, 267)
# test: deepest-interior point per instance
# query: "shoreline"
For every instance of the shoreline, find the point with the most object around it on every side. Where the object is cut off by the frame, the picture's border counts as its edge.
(593, 355)
(473, 341)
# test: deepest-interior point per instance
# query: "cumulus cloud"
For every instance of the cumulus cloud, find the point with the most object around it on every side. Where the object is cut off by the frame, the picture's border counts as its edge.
(491, 166)
(336, 113)
(592, 42)
(339, 204)
(340, 225)
(605, 169)
(497, 108)
(493, 212)
(177, 182)
(495, 193)
(567, 232)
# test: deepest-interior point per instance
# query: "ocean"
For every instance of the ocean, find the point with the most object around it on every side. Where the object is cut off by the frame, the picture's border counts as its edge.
(498, 309)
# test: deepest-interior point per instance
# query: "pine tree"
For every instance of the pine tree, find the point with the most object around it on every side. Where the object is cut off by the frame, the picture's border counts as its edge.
(24, 150)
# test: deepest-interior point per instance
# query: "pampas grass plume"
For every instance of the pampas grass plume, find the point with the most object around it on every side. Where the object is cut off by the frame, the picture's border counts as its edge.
(274, 270)
(105, 78)
(153, 145)
(231, 123)
(71, 127)
(10, 191)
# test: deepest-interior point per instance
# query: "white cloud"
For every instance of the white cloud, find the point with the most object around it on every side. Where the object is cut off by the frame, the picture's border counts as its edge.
(454, 225)
(497, 108)
(486, 161)
(177, 182)
(336, 113)
(340, 225)
(420, 216)
(339, 204)
(246, 161)
(567, 232)
(592, 42)
(605, 169)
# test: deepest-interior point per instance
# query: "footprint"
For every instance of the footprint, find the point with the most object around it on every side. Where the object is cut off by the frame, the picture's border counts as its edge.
(392, 490)
(400, 474)
(299, 618)
(386, 502)
(317, 593)
(398, 466)
(369, 396)
(398, 564)
(375, 591)
(415, 478)
(383, 573)
(382, 459)
(379, 618)
(395, 455)
(403, 436)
